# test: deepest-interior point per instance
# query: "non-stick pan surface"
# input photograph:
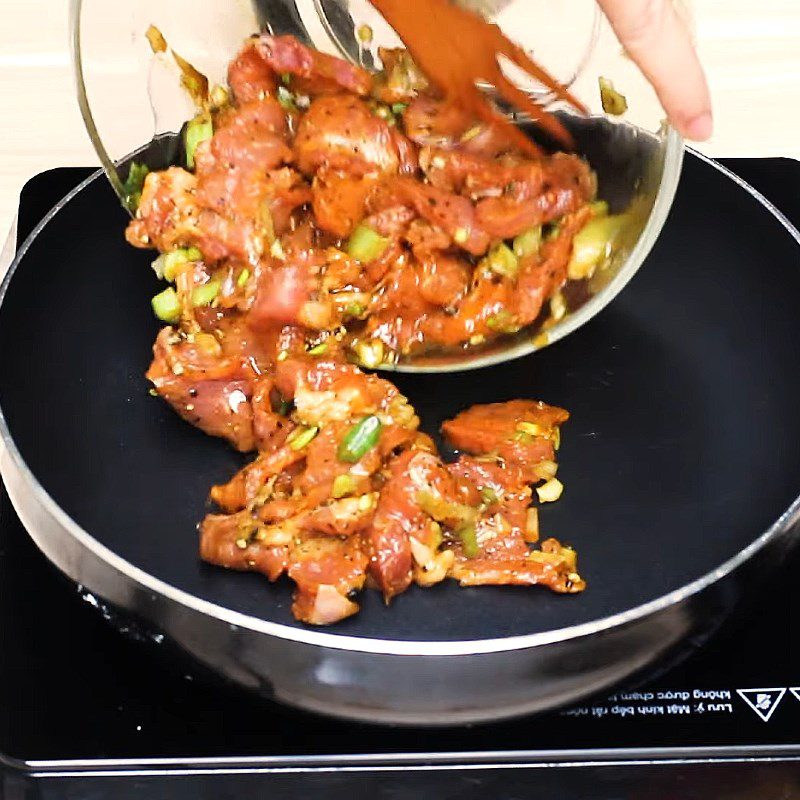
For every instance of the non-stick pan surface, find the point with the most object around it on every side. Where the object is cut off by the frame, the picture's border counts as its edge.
(682, 448)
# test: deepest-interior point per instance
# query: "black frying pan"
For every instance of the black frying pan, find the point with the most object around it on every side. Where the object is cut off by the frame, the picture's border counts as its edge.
(679, 462)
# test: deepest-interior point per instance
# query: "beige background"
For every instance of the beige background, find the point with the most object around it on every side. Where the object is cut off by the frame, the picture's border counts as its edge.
(751, 51)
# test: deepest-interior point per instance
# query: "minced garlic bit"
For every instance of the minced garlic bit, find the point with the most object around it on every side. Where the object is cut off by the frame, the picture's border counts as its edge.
(370, 354)
(367, 501)
(276, 250)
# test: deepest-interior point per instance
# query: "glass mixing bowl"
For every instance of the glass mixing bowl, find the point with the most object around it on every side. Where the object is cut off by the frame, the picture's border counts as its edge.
(132, 103)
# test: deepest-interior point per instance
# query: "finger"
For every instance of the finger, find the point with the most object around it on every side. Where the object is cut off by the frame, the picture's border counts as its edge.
(657, 40)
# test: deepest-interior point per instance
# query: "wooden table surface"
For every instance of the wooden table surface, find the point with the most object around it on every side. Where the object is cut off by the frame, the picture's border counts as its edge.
(751, 51)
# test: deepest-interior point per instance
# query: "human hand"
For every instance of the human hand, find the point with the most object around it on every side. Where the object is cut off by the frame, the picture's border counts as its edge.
(655, 37)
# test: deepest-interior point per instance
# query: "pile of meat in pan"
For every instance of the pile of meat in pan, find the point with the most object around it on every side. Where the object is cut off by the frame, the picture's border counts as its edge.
(328, 219)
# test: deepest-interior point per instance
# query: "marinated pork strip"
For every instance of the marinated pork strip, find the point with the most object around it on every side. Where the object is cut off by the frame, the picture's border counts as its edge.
(521, 433)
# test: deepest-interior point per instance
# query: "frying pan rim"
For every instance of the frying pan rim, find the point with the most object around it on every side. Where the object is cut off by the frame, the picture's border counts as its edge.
(314, 637)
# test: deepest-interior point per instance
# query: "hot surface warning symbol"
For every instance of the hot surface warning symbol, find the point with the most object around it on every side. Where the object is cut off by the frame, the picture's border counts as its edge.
(762, 701)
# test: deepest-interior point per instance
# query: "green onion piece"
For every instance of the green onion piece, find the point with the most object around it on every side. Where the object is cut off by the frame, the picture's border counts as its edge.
(502, 261)
(399, 108)
(167, 306)
(528, 243)
(244, 276)
(593, 244)
(197, 130)
(359, 440)
(502, 322)
(613, 102)
(319, 349)
(488, 495)
(285, 407)
(354, 309)
(364, 33)
(443, 510)
(342, 486)
(469, 540)
(205, 293)
(286, 78)
(599, 208)
(177, 258)
(286, 99)
(366, 244)
(302, 437)
(132, 188)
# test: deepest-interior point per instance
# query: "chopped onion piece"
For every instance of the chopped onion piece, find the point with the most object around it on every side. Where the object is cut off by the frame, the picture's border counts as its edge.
(546, 469)
(550, 492)
(558, 306)
(330, 606)
(532, 525)
(421, 553)
(531, 427)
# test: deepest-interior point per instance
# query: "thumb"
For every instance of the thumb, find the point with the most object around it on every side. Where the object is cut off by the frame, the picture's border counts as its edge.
(658, 41)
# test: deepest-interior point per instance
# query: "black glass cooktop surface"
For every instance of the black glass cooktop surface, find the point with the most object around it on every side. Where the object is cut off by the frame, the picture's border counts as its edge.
(73, 690)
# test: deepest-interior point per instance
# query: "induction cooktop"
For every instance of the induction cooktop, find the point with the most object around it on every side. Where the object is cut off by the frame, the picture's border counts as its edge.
(91, 706)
